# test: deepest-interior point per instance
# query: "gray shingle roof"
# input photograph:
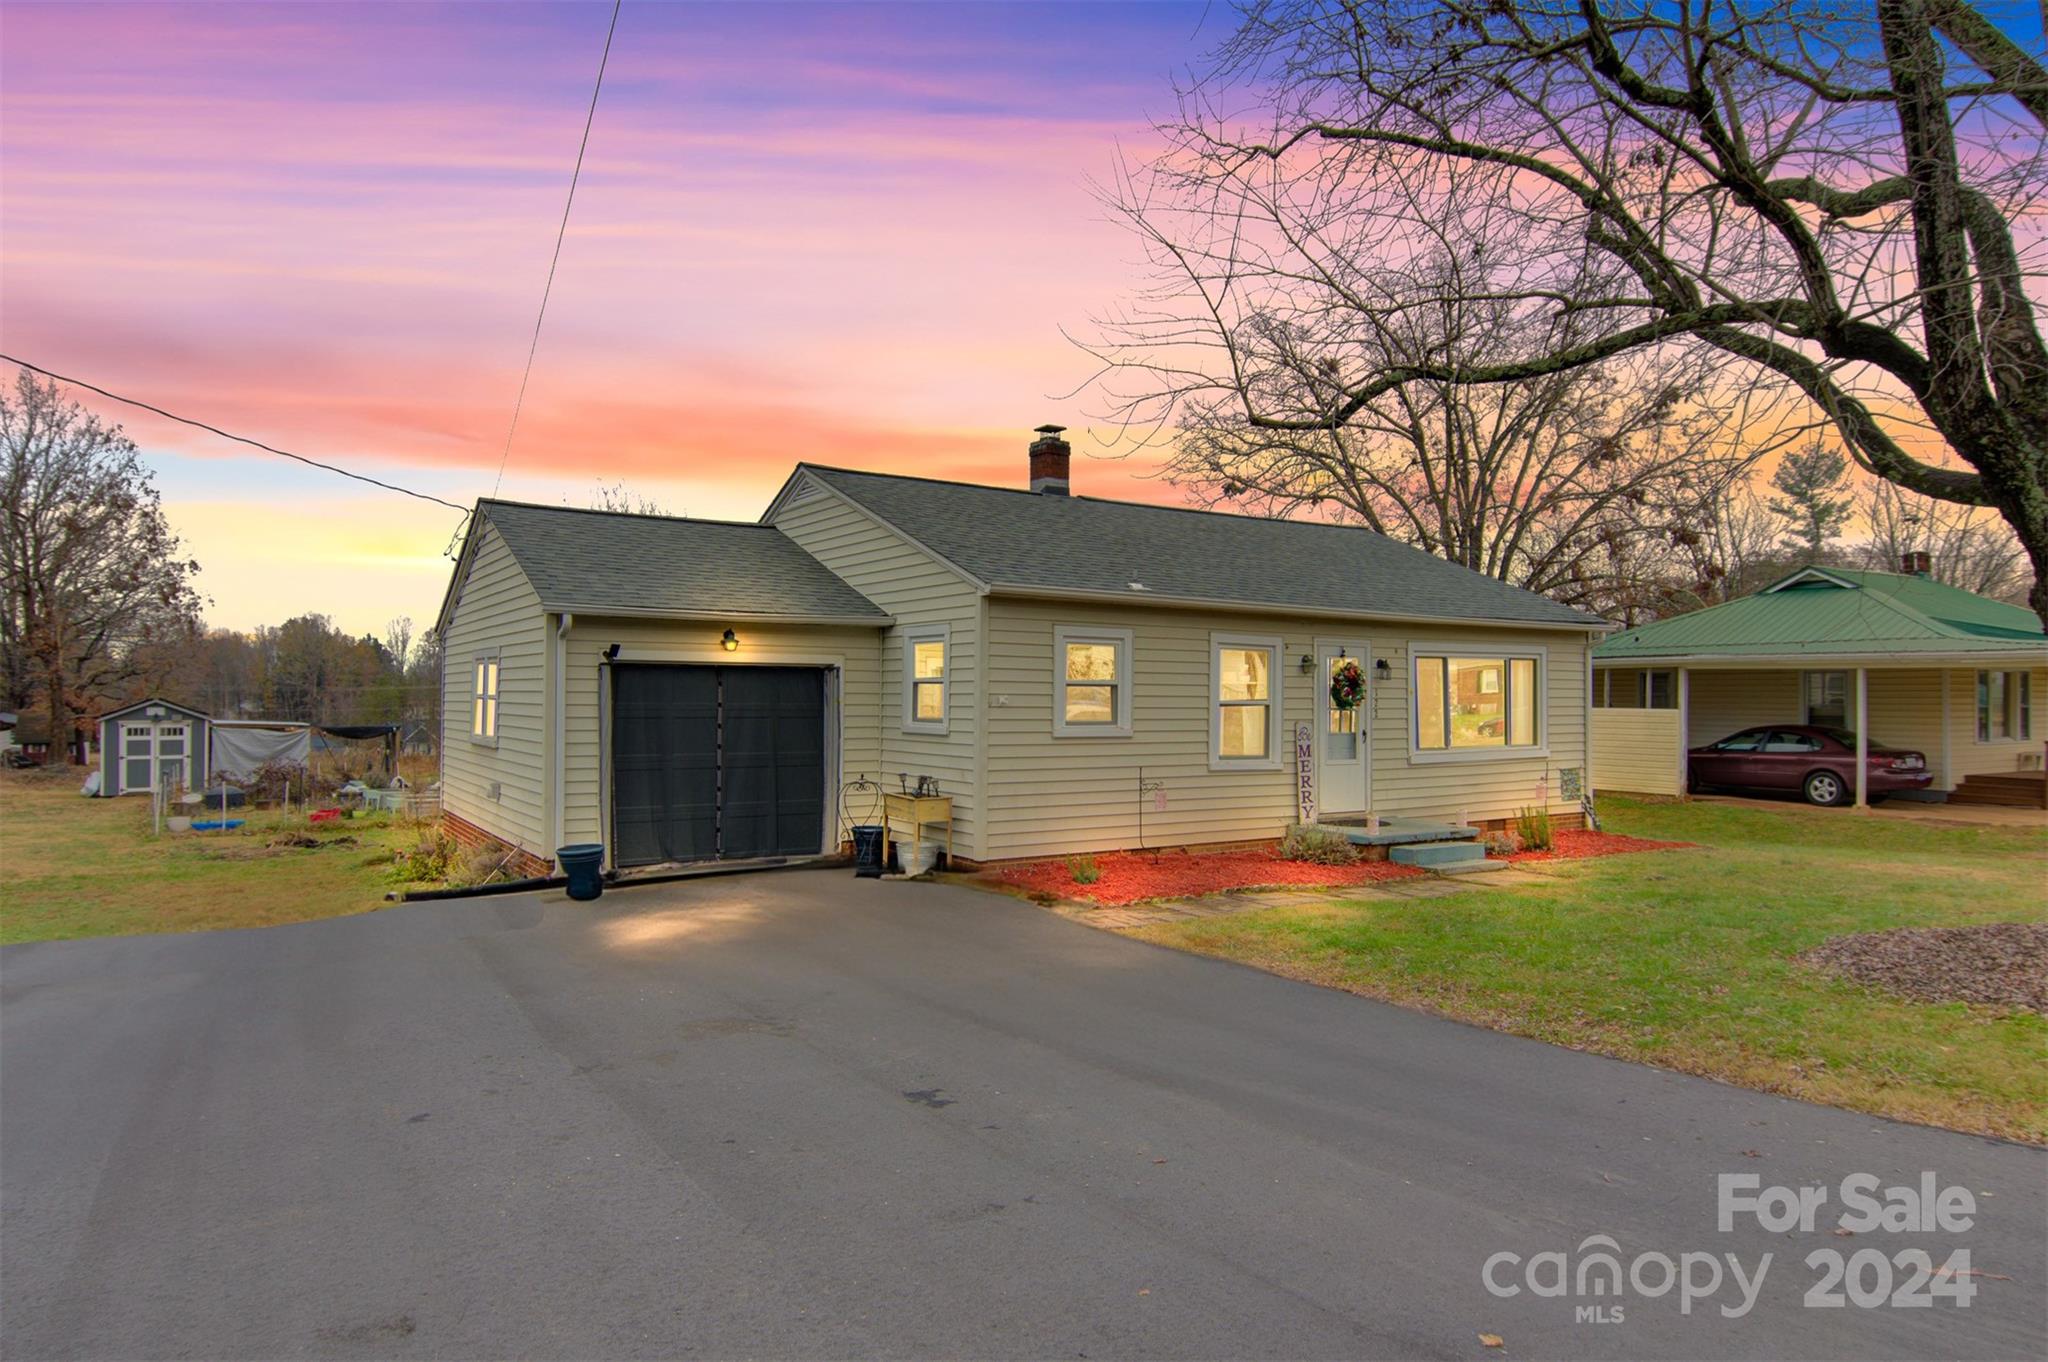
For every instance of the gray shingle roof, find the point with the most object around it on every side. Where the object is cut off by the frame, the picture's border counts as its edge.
(1030, 541)
(597, 561)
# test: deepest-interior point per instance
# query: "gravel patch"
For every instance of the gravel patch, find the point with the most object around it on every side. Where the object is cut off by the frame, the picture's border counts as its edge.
(2001, 964)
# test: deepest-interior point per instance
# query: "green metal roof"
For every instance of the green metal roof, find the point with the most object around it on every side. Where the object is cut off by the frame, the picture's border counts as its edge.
(1821, 612)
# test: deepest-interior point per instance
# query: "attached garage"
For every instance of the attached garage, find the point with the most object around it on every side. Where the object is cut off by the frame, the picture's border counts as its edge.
(678, 691)
(719, 763)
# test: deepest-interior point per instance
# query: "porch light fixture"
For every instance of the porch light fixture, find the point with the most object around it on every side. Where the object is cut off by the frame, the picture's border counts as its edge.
(731, 642)
(1308, 663)
(1383, 667)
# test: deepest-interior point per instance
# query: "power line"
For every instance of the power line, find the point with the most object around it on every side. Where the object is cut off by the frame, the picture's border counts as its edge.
(225, 435)
(534, 348)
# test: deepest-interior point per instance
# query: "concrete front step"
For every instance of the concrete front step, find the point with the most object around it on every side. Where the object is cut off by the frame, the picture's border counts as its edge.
(1394, 832)
(1439, 855)
(1482, 866)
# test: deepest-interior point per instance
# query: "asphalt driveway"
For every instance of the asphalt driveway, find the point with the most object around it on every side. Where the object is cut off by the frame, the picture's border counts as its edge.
(800, 1115)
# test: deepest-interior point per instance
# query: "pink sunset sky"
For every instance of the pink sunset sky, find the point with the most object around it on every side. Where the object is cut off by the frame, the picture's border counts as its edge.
(845, 233)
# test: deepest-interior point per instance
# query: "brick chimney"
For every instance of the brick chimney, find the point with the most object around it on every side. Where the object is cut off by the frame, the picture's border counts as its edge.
(1916, 563)
(1050, 458)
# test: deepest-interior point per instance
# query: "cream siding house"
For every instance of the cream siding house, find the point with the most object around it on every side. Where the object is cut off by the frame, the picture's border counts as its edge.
(1927, 667)
(1075, 674)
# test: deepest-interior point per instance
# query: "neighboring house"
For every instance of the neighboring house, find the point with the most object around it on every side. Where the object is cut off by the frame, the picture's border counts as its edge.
(153, 743)
(1077, 674)
(1899, 658)
(31, 735)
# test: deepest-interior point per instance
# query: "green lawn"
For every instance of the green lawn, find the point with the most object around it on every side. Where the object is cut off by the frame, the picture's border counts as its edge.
(90, 867)
(1685, 958)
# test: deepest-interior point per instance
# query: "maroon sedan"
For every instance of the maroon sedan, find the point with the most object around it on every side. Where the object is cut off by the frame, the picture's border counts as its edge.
(1818, 762)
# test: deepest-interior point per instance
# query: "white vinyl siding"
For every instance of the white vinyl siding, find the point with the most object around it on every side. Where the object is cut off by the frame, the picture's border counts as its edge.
(1724, 702)
(917, 590)
(854, 651)
(1047, 795)
(1636, 751)
(501, 785)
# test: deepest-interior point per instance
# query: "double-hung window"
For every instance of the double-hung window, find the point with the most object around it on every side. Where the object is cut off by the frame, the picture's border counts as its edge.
(483, 717)
(927, 668)
(1476, 704)
(1091, 682)
(1244, 692)
(2005, 706)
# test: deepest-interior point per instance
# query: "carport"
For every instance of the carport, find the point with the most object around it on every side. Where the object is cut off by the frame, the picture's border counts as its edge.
(1899, 659)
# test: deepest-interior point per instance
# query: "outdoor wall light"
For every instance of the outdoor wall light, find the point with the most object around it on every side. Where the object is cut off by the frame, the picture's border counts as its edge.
(1383, 668)
(611, 654)
(1308, 663)
(731, 642)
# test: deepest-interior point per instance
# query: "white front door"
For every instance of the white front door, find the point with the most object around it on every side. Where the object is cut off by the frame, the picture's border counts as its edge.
(1343, 755)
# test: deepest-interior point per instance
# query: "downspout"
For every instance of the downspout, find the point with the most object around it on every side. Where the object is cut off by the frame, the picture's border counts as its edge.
(558, 734)
(1586, 790)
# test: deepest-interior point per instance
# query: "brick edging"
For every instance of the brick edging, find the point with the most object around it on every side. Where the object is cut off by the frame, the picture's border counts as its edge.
(465, 833)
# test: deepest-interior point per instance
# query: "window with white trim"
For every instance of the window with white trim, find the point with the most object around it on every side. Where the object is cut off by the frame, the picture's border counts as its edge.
(927, 666)
(2005, 706)
(1091, 682)
(1466, 703)
(483, 717)
(1659, 690)
(1244, 702)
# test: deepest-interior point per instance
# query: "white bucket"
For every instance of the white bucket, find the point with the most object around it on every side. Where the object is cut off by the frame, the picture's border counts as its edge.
(919, 862)
(178, 822)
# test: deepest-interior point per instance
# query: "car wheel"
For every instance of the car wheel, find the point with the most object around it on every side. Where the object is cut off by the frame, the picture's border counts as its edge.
(1826, 788)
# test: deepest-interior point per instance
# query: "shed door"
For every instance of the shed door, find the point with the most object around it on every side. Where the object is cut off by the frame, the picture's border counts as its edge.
(717, 762)
(138, 757)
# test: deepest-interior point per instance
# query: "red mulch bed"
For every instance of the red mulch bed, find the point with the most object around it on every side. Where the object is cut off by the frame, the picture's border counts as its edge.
(1576, 843)
(1128, 877)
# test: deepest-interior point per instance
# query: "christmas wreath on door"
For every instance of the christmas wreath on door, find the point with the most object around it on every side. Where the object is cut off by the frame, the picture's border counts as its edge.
(1347, 684)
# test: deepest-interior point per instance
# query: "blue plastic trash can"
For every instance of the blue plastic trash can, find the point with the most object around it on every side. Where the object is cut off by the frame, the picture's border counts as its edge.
(867, 850)
(583, 863)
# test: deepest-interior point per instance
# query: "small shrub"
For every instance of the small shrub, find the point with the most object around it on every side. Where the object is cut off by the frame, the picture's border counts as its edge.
(1317, 845)
(1532, 826)
(1502, 843)
(427, 861)
(479, 865)
(1083, 869)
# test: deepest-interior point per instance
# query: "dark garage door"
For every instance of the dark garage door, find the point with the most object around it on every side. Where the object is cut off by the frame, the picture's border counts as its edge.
(717, 762)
